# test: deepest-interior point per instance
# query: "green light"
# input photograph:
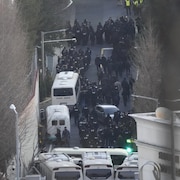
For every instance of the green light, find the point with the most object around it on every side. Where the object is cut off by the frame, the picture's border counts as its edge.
(129, 150)
(128, 140)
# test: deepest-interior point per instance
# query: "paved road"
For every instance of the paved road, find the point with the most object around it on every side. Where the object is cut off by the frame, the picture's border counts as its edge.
(95, 12)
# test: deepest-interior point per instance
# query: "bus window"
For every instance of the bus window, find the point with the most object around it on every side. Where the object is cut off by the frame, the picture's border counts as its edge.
(126, 175)
(54, 122)
(61, 122)
(63, 92)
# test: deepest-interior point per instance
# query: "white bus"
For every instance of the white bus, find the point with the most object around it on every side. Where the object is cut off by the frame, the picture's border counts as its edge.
(57, 117)
(97, 165)
(128, 169)
(58, 167)
(127, 173)
(66, 88)
(117, 154)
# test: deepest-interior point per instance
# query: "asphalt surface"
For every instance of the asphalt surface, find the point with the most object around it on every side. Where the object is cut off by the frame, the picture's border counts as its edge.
(95, 12)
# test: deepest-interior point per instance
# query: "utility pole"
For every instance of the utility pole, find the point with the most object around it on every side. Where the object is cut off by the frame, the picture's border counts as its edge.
(50, 41)
(13, 107)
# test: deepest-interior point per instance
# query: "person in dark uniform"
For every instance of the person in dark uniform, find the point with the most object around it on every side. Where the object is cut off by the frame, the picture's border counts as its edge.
(85, 34)
(77, 32)
(76, 113)
(58, 137)
(66, 137)
(92, 35)
(99, 34)
(97, 62)
(126, 91)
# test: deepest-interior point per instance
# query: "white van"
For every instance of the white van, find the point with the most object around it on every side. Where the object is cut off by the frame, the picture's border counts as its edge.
(57, 117)
(66, 89)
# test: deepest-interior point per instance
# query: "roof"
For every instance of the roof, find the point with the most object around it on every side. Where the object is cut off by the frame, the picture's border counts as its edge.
(61, 164)
(65, 79)
(77, 150)
(107, 106)
(54, 157)
(96, 158)
(55, 161)
(57, 111)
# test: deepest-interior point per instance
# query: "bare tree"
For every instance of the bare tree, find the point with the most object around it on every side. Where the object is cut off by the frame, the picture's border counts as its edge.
(14, 76)
(147, 56)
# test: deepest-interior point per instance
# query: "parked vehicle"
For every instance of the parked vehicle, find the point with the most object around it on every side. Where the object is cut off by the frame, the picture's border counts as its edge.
(57, 167)
(103, 110)
(57, 117)
(97, 165)
(128, 169)
(117, 154)
(127, 173)
(66, 89)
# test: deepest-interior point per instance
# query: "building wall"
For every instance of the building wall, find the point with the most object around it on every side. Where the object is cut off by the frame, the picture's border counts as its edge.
(154, 142)
(29, 128)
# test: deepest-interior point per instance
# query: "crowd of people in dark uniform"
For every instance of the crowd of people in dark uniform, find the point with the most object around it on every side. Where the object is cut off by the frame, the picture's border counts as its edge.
(111, 32)
(114, 79)
(74, 60)
(112, 133)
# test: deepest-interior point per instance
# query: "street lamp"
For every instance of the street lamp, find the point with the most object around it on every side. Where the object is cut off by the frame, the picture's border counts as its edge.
(70, 3)
(148, 98)
(13, 107)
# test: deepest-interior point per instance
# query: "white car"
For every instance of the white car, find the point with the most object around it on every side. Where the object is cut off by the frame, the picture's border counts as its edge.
(103, 110)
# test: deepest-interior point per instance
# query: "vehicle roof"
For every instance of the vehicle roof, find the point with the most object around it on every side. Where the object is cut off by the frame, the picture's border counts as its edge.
(105, 106)
(96, 158)
(54, 157)
(80, 151)
(52, 160)
(131, 160)
(133, 156)
(97, 162)
(57, 111)
(96, 155)
(65, 79)
(60, 164)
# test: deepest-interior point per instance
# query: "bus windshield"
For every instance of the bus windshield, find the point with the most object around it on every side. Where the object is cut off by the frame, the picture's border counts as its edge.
(96, 173)
(126, 175)
(69, 175)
